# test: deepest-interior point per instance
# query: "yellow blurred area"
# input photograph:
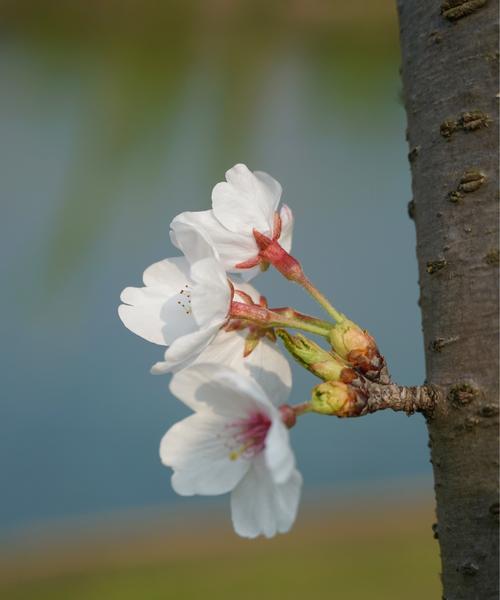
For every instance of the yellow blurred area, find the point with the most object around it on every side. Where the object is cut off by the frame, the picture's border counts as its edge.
(352, 553)
(210, 12)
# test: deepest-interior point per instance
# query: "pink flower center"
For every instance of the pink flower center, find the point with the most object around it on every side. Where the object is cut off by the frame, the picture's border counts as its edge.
(249, 435)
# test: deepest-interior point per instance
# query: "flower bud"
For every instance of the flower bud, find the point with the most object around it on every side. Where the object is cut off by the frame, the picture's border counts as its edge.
(357, 347)
(338, 399)
(317, 360)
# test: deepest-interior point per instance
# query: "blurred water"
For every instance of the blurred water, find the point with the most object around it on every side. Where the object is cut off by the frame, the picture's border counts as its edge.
(81, 416)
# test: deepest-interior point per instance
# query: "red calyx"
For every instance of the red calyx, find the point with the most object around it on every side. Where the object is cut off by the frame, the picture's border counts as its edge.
(272, 252)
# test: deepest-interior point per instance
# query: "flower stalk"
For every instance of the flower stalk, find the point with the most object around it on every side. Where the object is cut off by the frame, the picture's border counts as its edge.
(271, 252)
(267, 318)
(321, 299)
(290, 413)
(291, 313)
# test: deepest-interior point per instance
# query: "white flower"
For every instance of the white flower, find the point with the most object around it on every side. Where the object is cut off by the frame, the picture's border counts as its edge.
(185, 308)
(234, 442)
(246, 201)
(266, 363)
(182, 306)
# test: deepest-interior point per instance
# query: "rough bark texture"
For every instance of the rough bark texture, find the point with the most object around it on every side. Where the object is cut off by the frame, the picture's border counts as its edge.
(423, 399)
(450, 83)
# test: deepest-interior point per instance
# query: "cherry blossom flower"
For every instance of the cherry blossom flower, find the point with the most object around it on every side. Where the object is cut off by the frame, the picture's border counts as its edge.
(182, 306)
(234, 442)
(186, 308)
(265, 363)
(247, 201)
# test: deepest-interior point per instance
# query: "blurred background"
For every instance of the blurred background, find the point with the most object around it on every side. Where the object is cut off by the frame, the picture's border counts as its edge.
(114, 117)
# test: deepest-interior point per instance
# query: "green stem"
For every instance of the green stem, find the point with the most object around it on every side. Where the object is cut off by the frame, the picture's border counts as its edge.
(321, 299)
(301, 409)
(292, 313)
(266, 318)
(290, 267)
(279, 321)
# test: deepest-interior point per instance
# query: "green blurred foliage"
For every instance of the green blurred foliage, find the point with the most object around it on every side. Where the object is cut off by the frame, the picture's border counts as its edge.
(134, 61)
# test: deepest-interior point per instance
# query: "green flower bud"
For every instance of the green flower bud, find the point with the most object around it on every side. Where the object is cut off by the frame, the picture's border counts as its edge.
(314, 358)
(357, 347)
(338, 399)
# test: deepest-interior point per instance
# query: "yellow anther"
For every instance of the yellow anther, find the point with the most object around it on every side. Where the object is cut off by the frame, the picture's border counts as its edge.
(235, 454)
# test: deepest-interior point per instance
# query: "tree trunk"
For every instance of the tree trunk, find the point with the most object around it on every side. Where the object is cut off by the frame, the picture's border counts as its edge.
(450, 82)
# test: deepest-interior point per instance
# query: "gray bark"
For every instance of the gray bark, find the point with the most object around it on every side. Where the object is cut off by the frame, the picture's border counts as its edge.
(450, 84)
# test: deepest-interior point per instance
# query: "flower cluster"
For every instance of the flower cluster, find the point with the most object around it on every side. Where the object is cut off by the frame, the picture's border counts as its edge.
(221, 346)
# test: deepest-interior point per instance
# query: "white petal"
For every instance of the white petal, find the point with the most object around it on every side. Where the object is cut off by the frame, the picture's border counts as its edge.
(211, 295)
(195, 450)
(247, 289)
(232, 247)
(172, 272)
(221, 389)
(245, 275)
(185, 350)
(156, 314)
(266, 364)
(246, 201)
(143, 317)
(160, 312)
(273, 188)
(260, 506)
(278, 454)
(285, 238)
(272, 370)
(193, 241)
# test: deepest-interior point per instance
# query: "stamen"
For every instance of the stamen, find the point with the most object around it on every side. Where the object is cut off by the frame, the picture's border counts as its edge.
(248, 435)
(235, 454)
(185, 302)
